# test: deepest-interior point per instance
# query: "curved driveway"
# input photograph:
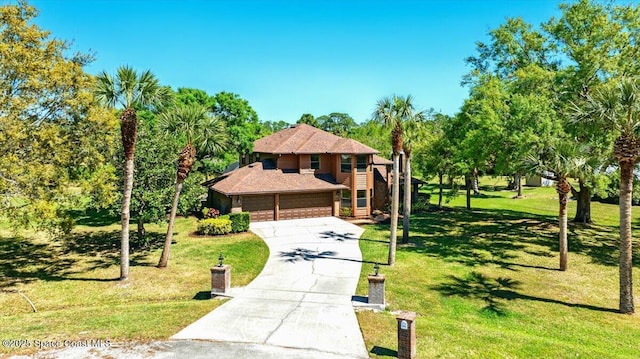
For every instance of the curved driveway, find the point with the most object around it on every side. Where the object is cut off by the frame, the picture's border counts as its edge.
(302, 298)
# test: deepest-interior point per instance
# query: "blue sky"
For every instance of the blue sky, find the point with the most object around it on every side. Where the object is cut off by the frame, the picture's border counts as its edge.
(292, 57)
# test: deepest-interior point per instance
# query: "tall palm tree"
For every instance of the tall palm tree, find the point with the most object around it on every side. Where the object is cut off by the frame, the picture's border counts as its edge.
(199, 129)
(128, 90)
(558, 162)
(412, 124)
(386, 112)
(393, 112)
(616, 107)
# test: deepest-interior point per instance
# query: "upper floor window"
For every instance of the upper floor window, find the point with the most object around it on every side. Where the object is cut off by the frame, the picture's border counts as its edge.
(361, 163)
(315, 162)
(345, 163)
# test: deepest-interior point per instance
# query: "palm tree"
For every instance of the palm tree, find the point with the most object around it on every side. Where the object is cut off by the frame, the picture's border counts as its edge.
(412, 124)
(393, 111)
(199, 129)
(130, 91)
(617, 107)
(558, 162)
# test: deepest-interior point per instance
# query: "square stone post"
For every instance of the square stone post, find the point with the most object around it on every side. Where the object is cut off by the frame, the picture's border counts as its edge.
(406, 335)
(376, 289)
(220, 280)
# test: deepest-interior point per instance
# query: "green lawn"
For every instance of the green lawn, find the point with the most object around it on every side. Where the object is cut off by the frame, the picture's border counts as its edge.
(485, 285)
(74, 284)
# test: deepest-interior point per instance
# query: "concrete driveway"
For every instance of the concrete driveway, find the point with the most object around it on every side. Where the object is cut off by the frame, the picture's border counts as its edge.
(302, 298)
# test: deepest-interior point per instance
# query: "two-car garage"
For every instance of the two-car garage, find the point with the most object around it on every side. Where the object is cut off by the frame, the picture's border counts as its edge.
(269, 207)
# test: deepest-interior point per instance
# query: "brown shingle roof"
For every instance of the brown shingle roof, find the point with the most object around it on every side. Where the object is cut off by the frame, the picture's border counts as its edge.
(377, 160)
(254, 179)
(303, 138)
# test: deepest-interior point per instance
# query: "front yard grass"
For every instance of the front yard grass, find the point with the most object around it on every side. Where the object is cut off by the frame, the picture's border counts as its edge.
(74, 284)
(485, 285)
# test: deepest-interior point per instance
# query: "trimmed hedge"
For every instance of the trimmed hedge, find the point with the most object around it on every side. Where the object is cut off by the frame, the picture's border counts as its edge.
(214, 226)
(240, 221)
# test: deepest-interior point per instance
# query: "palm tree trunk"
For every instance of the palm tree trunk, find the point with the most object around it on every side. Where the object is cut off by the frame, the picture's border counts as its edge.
(626, 265)
(395, 199)
(519, 184)
(164, 257)
(128, 131)
(125, 215)
(562, 223)
(583, 208)
(407, 198)
(440, 175)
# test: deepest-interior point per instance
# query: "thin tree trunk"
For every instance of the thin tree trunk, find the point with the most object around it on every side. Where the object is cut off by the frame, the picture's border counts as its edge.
(395, 199)
(519, 185)
(583, 208)
(128, 131)
(467, 182)
(164, 257)
(626, 265)
(563, 188)
(141, 231)
(562, 223)
(440, 192)
(125, 216)
(407, 199)
(474, 183)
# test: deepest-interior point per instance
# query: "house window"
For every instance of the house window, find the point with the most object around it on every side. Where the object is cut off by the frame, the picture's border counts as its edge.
(362, 198)
(346, 198)
(361, 163)
(315, 162)
(345, 163)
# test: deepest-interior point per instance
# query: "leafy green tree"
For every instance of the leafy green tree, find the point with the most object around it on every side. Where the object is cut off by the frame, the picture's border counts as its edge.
(190, 96)
(594, 40)
(616, 108)
(340, 124)
(434, 155)
(270, 127)
(375, 135)
(477, 129)
(129, 90)
(308, 119)
(240, 119)
(52, 133)
(198, 129)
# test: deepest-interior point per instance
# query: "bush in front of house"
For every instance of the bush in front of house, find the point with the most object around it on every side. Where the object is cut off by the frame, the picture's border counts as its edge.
(240, 221)
(210, 213)
(214, 226)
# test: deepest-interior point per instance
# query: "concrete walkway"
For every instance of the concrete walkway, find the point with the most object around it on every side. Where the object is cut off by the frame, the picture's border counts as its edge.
(302, 298)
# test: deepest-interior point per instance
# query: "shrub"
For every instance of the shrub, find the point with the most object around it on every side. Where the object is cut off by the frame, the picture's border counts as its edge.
(210, 213)
(240, 221)
(214, 226)
(346, 211)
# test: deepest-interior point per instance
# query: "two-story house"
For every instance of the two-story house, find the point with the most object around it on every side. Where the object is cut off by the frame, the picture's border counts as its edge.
(299, 172)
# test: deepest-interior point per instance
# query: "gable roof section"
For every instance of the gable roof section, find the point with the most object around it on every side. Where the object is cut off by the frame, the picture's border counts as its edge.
(306, 139)
(254, 179)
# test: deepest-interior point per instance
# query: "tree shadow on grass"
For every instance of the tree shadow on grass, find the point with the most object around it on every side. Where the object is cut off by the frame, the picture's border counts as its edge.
(25, 260)
(495, 292)
(500, 237)
(94, 218)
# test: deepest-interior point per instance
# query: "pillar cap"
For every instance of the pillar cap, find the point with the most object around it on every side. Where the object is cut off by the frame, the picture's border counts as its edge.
(410, 316)
(376, 278)
(220, 269)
